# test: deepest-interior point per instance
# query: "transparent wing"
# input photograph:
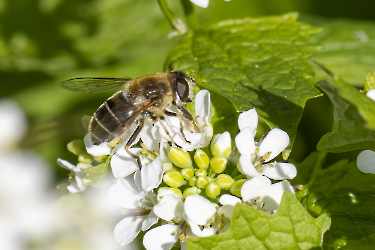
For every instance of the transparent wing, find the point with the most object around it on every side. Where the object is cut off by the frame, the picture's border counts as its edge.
(93, 85)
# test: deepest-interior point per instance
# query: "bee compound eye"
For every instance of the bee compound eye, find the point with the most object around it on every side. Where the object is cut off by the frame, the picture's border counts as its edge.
(182, 88)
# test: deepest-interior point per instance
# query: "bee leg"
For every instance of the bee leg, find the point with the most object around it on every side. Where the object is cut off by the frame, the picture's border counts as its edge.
(181, 126)
(189, 117)
(132, 139)
(157, 118)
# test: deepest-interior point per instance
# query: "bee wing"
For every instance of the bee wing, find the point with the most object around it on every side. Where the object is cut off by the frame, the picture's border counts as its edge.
(93, 85)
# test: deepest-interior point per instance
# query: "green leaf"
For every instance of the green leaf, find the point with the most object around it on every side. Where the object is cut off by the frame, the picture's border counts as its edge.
(310, 166)
(348, 48)
(96, 175)
(348, 195)
(253, 62)
(354, 119)
(291, 227)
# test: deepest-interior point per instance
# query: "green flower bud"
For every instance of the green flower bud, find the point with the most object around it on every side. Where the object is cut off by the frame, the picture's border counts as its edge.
(173, 178)
(84, 157)
(167, 166)
(202, 181)
(235, 189)
(100, 159)
(218, 164)
(224, 181)
(191, 191)
(187, 173)
(213, 190)
(192, 181)
(177, 192)
(201, 159)
(200, 172)
(76, 147)
(180, 158)
(221, 145)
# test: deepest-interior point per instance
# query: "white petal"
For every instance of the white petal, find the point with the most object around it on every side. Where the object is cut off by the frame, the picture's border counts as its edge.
(195, 229)
(199, 209)
(148, 138)
(152, 175)
(78, 177)
(127, 229)
(248, 119)
(208, 132)
(200, 3)
(124, 196)
(227, 199)
(195, 138)
(223, 142)
(207, 232)
(246, 167)
(169, 208)
(202, 107)
(161, 237)
(150, 220)
(123, 164)
(255, 187)
(245, 141)
(366, 161)
(371, 94)
(278, 171)
(96, 150)
(274, 194)
(74, 188)
(276, 141)
(65, 164)
(164, 191)
(227, 210)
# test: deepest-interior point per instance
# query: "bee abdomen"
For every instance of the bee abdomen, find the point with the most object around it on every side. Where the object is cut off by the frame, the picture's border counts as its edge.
(108, 122)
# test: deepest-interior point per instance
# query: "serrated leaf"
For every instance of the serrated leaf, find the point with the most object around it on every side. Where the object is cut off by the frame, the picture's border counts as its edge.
(348, 195)
(348, 47)
(253, 62)
(291, 227)
(310, 166)
(354, 119)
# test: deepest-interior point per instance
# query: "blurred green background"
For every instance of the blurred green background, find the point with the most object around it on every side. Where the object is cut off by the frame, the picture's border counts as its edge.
(43, 42)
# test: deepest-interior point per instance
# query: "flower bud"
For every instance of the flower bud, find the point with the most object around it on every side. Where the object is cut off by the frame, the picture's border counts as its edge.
(202, 181)
(200, 172)
(224, 181)
(221, 145)
(76, 147)
(180, 158)
(213, 190)
(173, 178)
(84, 157)
(100, 159)
(218, 164)
(192, 181)
(191, 191)
(187, 173)
(201, 159)
(177, 192)
(235, 189)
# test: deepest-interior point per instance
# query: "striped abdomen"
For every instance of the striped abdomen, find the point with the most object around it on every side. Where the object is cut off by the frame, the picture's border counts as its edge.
(113, 118)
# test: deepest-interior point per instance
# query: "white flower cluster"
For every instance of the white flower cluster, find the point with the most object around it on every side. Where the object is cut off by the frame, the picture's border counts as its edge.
(186, 199)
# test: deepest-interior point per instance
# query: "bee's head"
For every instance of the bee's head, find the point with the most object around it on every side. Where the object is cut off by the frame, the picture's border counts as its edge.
(183, 87)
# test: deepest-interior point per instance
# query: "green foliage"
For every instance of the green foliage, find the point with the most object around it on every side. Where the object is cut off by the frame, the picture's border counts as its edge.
(291, 227)
(354, 118)
(347, 195)
(369, 82)
(348, 48)
(253, 62)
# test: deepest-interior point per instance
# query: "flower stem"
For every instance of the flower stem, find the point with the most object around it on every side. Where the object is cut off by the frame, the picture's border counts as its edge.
(191, 17)
(175, 22)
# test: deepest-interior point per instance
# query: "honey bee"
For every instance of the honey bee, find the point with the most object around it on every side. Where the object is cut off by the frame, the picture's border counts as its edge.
(142, 99)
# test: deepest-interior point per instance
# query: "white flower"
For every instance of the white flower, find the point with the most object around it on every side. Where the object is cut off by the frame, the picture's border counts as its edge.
(366, 161)
(202, 3)
(76, 181)
(254, 154)
(199, 211)
(267, 196)
(129, 193)
(371, 94)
